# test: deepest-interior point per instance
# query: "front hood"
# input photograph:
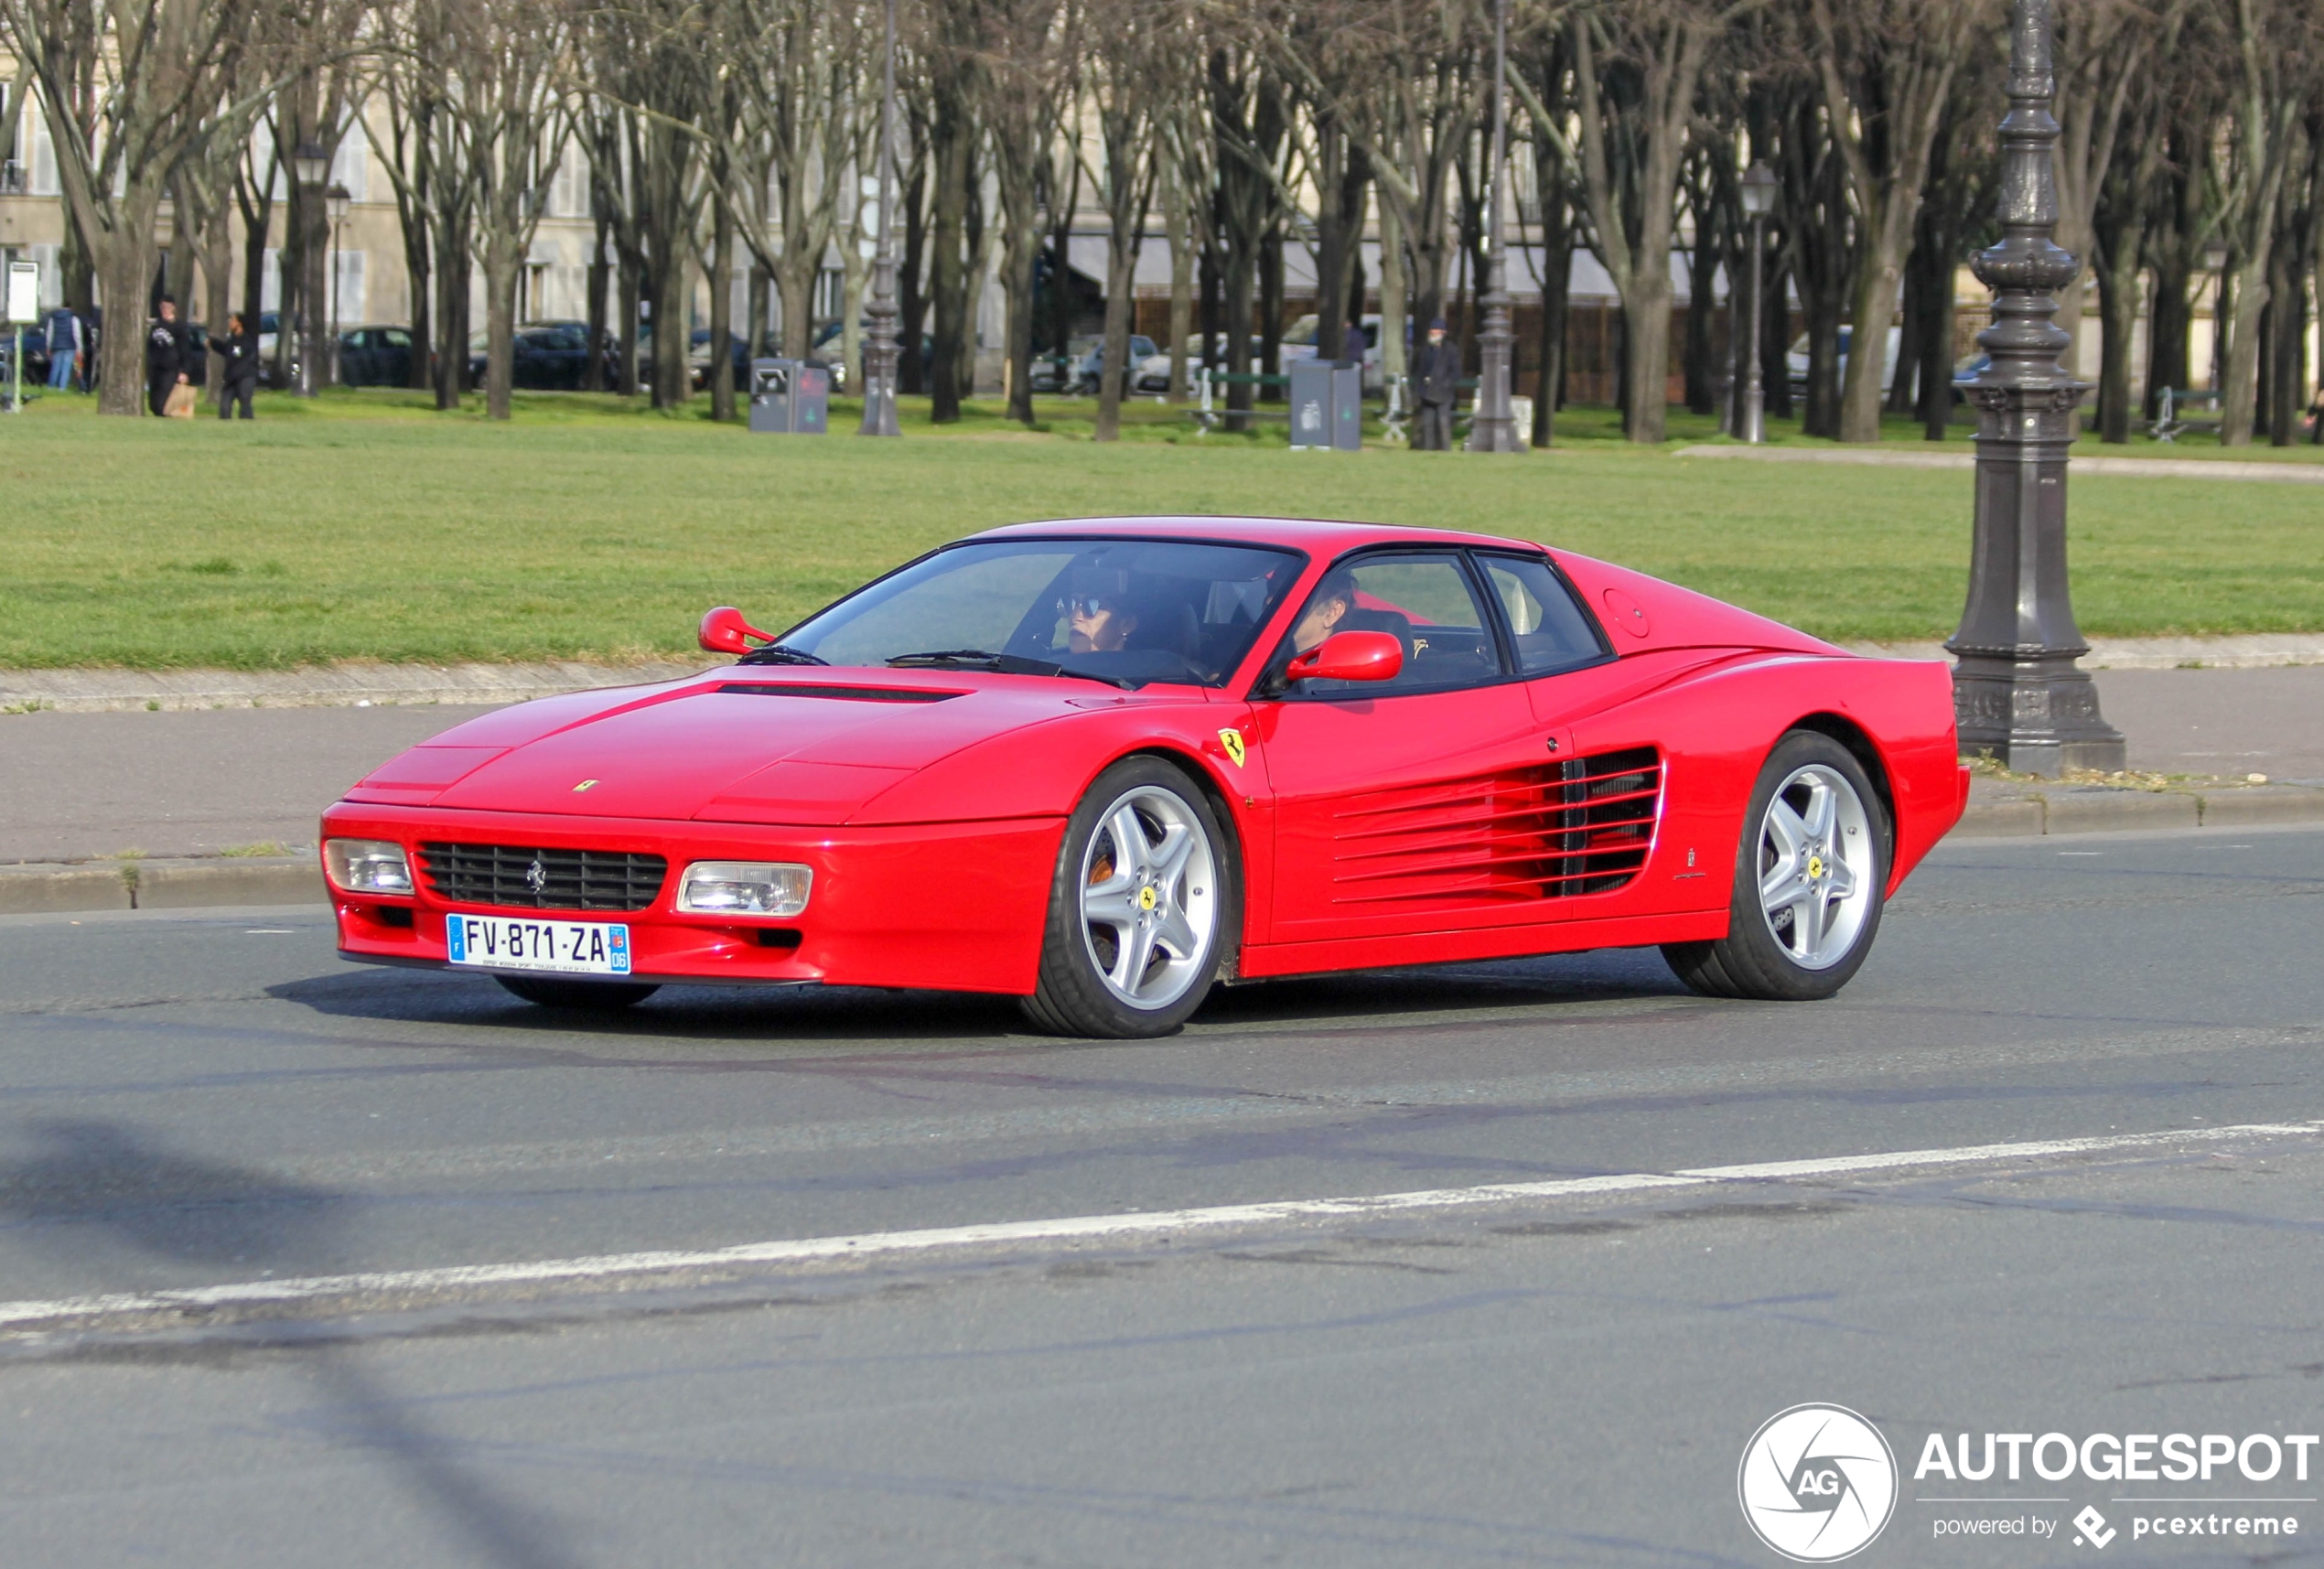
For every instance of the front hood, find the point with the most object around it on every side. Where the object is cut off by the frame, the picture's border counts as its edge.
(741, 745)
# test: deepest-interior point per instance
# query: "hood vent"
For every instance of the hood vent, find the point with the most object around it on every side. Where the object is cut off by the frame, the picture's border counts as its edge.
(834, 693)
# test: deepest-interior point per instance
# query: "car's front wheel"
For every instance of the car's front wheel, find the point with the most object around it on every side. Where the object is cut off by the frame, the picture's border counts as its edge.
(1809, 878)
(1145, 904)
(581, 996)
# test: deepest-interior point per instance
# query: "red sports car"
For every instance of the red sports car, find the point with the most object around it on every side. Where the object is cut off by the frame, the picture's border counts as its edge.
(1100, 765)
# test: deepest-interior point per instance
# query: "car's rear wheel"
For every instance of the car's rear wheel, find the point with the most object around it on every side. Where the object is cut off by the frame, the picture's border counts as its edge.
(585, 996)
(1809, 877)
(1145, 904)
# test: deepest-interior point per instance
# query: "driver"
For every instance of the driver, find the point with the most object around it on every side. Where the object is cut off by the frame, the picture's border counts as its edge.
(1098, 614)
(1334, 598)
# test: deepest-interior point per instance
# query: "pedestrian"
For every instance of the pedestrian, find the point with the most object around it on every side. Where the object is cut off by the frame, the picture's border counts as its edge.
(2316, 417)
(1437, 375)
(65, 348)
(1353, 347)
(165, 357)
(240, 351)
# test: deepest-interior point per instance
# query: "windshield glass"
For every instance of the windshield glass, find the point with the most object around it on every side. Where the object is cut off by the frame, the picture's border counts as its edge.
(1124, 610)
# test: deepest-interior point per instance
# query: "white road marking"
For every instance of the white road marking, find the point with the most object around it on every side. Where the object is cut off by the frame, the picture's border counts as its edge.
(406, 1283)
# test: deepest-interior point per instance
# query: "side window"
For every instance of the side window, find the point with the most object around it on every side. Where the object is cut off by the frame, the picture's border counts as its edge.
(1552, 633)
(1424, 601)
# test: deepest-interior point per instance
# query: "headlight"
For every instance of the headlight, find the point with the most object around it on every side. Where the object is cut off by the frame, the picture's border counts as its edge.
(367, 865)
(743, 888)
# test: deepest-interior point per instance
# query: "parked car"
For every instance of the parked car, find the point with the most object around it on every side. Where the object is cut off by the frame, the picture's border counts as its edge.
(549, 357)
(1154, 370)
(1797, 360)
(1299, 343)
(774, 820)
(1060, 372)
(375, 356)
(770, 348)
(1089, 373)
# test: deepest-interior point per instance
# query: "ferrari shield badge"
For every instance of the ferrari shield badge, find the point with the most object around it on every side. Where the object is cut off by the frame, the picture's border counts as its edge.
(1232, 741)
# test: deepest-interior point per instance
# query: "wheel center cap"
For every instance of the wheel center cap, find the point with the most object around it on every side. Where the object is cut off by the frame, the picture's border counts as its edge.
(1815, 867)
(1146, 898)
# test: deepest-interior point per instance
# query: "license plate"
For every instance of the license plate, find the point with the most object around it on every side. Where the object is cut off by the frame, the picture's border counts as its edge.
(561, 947)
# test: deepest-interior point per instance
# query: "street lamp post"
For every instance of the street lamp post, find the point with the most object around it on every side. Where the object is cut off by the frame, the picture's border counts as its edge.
(1494, 429)
(313, 163)
(336, 198)
(1759, 188)
(880, 349)
(2017, 693)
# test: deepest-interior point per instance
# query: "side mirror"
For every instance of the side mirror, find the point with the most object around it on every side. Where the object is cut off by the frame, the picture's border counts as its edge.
(724, 631)
(1351, 656)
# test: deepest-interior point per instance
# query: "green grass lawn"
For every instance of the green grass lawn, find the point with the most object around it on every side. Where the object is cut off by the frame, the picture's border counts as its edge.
(370, 526)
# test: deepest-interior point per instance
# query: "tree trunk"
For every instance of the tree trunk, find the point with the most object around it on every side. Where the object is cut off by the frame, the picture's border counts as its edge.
(673, 377)
(952, 156)
(1393, 318)
(1556, 279)
(722, 313)
(2239, 384)
(502, 266)
(629, 287)
(125, 272)
(912, 318)
(592, 374)
(1702, 263)
(1178, 222)
(1121, 279)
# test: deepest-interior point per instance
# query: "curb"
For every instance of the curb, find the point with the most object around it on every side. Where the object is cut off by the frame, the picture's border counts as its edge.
(225, 882)
(352, 685)
(42, 888)
(2095, 809)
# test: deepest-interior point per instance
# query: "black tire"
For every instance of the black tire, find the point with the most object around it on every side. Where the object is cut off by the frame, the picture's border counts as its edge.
(582, 996)
(1750, 961)
(1073, 995)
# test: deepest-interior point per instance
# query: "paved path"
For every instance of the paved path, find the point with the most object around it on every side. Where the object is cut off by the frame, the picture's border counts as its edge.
(197, 1101)
(197, 783)
(2300, 470)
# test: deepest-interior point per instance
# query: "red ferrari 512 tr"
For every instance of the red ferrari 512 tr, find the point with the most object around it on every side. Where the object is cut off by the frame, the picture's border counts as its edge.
(1100, 765)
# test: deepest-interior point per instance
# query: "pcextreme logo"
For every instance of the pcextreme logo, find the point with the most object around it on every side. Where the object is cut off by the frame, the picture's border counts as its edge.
(1817, 1483)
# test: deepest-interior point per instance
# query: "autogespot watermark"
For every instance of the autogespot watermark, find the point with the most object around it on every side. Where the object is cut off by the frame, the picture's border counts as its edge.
(1818, 1483)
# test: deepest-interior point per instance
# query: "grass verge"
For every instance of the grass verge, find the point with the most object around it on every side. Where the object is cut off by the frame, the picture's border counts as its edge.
(370, 526)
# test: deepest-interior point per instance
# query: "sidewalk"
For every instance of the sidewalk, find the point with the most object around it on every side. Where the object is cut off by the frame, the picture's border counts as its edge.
(198, 805)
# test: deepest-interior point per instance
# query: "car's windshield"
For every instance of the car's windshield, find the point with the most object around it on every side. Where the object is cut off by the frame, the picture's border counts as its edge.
(1122, 610)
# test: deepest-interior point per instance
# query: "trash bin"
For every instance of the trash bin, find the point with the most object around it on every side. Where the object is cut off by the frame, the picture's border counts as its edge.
(1327, 405)
(789, 397)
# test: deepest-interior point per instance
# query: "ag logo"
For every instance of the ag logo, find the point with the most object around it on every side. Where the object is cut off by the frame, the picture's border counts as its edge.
(1817, 1483)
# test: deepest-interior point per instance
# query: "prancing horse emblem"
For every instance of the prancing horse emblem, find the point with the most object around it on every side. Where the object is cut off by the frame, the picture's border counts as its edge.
(536, 876)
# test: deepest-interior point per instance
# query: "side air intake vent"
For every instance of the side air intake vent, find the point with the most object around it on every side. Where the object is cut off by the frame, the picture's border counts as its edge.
(1558, 830)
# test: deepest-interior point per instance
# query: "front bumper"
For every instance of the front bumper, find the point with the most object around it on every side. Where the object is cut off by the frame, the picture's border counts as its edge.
(948, 907)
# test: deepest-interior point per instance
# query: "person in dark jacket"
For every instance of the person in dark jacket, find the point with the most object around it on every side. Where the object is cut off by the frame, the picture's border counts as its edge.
(65, 347)
(1353, 346)
(1435, 375)
(165, 357)
(240, 351)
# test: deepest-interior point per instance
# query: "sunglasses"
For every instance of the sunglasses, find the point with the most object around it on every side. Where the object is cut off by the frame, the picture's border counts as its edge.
(1089, 606)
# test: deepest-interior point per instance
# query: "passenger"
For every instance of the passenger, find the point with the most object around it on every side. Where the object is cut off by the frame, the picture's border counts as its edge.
(1099, 616)
(1333, 599)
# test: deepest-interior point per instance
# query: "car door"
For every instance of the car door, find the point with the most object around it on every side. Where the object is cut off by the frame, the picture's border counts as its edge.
(1400, 805)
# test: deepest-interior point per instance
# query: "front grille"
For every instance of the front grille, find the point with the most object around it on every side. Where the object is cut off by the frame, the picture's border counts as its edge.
(567, 879)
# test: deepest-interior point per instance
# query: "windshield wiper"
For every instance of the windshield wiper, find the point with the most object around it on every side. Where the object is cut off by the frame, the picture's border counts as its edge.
(776, 653)
(1004, 664)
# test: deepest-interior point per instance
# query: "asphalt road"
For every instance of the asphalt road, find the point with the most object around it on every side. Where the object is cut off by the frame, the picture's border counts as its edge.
(196, 1099)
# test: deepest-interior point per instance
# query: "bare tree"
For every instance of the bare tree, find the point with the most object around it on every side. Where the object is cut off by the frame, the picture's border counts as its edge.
(168, 64)
(1123, 83)
(2270, 53)
(1887, 69)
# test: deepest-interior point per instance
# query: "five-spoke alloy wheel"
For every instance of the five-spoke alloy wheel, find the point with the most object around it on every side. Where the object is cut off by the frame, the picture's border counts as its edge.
(1144, 904)
(1809, 877)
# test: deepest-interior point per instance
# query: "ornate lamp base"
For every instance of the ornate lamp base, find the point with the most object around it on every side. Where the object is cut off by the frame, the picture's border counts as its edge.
(2030, 710)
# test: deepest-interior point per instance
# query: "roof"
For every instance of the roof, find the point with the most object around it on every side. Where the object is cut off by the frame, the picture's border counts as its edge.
(1318, 536)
